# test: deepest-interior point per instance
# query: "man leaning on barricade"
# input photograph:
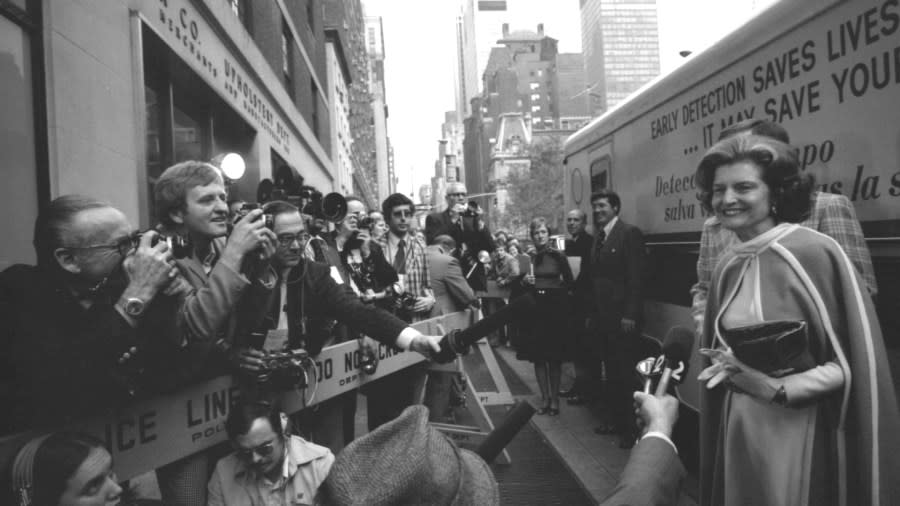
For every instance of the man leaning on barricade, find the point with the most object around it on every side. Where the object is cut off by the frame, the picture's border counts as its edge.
(78, 327)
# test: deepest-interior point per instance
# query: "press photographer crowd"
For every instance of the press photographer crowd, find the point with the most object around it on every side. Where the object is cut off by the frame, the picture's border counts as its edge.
(798, 407)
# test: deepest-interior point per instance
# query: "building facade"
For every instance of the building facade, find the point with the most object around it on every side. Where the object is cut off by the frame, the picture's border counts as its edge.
(375, 53)
(339, 80)
(101, 97)
(620, 43)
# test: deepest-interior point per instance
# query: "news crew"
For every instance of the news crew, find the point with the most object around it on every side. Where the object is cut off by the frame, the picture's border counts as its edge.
(71, 326)
(307, 298)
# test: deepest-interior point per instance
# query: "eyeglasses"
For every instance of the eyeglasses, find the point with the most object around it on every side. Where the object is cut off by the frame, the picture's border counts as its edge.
(123, 246)
(457, 195)
(289, 239)
(263, 450)
(402, 214)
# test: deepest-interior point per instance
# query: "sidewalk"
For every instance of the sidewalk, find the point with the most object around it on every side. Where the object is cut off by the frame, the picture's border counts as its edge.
(595, 460)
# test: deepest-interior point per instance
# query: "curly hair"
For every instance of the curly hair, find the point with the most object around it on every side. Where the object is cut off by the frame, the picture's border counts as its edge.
(789, 189)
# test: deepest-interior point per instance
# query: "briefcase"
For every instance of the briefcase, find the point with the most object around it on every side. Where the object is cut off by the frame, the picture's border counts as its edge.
(777, 348)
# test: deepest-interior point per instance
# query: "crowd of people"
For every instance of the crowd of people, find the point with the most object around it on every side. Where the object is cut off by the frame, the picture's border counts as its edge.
(798, 405)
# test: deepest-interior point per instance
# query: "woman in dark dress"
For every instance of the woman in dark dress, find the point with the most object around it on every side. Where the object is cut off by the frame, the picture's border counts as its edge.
(544, 335)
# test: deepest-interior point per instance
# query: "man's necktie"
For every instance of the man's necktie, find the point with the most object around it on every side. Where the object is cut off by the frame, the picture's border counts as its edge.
(598, 244)
(400, 258)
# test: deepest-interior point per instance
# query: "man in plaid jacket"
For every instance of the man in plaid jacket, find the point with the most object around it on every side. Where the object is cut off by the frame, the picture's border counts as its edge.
(389, 396)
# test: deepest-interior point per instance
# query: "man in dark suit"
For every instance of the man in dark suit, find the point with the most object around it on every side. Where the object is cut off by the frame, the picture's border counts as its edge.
(617, 263)
(654, 472)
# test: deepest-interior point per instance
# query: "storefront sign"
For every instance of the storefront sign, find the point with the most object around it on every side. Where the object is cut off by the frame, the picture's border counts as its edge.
(182, 27)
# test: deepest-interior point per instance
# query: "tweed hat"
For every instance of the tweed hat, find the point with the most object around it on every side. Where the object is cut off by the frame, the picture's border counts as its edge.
(406, 461)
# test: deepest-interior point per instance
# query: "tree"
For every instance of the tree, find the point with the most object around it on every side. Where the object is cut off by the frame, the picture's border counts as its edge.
(537, 191)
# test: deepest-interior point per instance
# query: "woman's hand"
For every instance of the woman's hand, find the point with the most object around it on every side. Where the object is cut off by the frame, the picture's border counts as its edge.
(733, 373)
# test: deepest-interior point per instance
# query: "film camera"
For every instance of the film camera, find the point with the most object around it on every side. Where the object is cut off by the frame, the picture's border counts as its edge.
(269, 219)
(178, 245)
(285, 369)
(472, 210)
(365, 222)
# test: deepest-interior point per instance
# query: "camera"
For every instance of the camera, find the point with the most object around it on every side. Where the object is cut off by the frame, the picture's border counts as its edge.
(178, 245)
(285, 369)
(368, 359)
(268, 219)
(366, 222)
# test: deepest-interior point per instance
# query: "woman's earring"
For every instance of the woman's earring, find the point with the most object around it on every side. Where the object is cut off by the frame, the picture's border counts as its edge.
(773, 210)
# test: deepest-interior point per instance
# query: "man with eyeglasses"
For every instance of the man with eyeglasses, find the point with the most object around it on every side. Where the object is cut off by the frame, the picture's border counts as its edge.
(464, 225)
(306, 300)
(73, 327)
(269, 465)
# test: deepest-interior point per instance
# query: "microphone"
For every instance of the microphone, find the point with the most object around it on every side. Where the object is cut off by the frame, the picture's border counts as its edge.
(505, 431)
(457, 342)
(676, 349)
(645, 368)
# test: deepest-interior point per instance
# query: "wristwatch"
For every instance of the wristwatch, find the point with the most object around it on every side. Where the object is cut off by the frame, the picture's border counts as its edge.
(134, 307)
(780, 397)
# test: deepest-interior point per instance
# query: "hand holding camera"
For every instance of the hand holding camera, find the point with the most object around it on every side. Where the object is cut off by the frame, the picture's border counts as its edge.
(252, 232)
(149, 269)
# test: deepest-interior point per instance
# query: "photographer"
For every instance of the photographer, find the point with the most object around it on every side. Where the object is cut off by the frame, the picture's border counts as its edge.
(464, 224)
(73, 325)
(305, 300)
(190, 202)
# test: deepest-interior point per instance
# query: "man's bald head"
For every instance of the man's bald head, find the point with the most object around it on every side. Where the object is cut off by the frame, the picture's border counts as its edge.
(576, 221)
(455, 194)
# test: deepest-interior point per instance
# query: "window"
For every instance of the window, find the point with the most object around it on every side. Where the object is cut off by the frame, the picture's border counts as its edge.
(535, 97)
(535, 108)
(540, 73)
(534, 86)
(600, 174)
(241, 9)
(315, 106)
(287, 50)
(23, 145)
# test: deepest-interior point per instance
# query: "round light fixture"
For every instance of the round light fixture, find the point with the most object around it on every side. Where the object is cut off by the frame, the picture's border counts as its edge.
(233, 166)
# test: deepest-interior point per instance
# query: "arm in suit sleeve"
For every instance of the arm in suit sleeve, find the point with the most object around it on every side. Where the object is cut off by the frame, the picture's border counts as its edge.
(457, 286)
(205, 312)
(652, 476)
(342, 305)
(634, 244)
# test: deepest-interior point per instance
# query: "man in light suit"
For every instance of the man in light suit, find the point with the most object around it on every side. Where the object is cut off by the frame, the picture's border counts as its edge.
(451, 291)
(617, 263)
(452, 294)
(654, 472)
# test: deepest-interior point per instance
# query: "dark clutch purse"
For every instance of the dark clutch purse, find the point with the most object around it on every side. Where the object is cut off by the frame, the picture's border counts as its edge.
(777, 348)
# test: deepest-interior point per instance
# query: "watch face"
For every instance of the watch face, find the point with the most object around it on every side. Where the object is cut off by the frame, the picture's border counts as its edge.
(134, 307)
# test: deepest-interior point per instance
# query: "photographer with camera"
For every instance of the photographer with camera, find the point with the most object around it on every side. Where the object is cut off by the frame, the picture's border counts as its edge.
(226, 271)
(305, 301)
(74, 328)
(464, 224)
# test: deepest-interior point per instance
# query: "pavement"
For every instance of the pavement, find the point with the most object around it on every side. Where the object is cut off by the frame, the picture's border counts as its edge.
(596, 461)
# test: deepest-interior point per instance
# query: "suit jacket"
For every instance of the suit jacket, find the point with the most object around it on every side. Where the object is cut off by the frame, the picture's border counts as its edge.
(58, 360)
(617, 267)
(312, 293)
(652, 476)
(475, 240)
(451, 291)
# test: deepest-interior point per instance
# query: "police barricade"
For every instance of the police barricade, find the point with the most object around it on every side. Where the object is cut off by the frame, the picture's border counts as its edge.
(154, 432)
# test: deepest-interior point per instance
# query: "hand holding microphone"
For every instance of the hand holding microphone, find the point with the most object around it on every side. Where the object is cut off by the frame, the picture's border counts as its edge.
(677, 348)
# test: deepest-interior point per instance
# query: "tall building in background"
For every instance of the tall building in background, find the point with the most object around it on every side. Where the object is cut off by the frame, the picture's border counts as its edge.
(338, 92)
(348, 18)
(620, 43)
(375, 51)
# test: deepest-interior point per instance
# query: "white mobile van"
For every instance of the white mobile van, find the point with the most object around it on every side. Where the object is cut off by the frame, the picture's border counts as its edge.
(828, 71)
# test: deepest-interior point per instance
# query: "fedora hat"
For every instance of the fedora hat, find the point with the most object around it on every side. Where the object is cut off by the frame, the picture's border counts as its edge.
(406, 461)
